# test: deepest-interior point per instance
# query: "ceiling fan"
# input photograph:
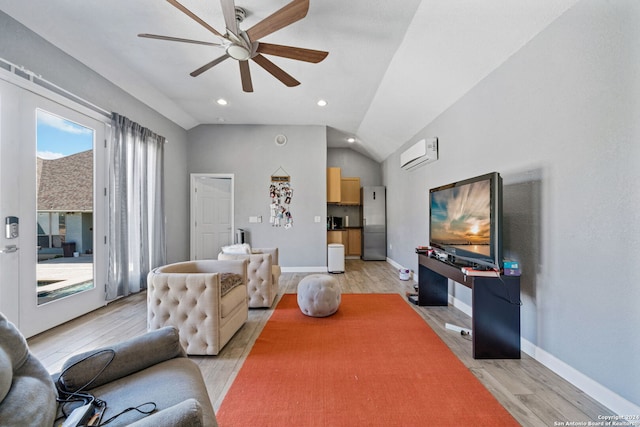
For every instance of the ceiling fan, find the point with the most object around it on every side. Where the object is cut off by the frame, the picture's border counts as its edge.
(244, 45)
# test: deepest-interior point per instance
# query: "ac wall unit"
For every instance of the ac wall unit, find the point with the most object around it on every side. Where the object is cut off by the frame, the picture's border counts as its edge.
(422, 152)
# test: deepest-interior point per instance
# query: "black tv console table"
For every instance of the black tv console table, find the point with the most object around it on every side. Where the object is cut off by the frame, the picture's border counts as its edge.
(495, 304)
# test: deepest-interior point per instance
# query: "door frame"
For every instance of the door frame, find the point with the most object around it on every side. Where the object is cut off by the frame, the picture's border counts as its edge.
(193, 205)
(65, 309)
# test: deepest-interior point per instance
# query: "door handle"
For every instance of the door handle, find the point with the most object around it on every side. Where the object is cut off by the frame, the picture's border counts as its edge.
(9, 249)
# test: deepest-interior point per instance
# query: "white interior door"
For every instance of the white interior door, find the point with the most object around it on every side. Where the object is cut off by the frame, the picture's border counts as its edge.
(21, 296)
(211, 214)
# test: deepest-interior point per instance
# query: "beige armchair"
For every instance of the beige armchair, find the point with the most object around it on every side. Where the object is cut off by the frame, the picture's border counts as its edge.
(263, 275)
(206, 300)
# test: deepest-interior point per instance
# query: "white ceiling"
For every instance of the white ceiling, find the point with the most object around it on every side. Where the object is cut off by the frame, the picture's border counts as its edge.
(393, 66)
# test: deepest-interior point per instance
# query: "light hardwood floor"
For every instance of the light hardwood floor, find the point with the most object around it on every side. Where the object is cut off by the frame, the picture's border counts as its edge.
(533, 394)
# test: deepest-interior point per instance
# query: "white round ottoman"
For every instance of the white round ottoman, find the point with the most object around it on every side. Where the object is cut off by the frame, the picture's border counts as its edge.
(318, 295)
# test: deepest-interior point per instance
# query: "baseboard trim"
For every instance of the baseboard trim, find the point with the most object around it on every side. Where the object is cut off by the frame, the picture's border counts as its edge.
(616, 403)
(413, 276)
(321, 269)
(393, 263)
(463, 307)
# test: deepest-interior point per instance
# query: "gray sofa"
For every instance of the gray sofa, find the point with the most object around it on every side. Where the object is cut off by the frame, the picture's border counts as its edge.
(149, 368)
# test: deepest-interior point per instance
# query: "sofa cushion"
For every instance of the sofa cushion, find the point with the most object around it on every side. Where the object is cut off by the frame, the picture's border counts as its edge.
(238, 249)
(28, 380)
(102, 366)
(187, 413)
(228, 281)
(13, 344)
(32, 384)
(165, 384)
(233, 299)
(6, 374)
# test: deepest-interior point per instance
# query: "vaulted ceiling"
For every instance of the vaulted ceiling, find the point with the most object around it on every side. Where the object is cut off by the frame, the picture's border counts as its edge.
(393, 66)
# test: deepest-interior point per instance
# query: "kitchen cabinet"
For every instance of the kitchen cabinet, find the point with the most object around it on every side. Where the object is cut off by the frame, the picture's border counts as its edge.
(342, 191)
(350, 191)
(351, 238)
(336, 236)
(334, 185)
(354, 242)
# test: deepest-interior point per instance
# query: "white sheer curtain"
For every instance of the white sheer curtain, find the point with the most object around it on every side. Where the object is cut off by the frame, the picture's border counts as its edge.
(136, 206)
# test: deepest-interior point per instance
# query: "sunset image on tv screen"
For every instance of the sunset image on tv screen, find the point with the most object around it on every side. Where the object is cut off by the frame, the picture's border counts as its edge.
(461, 216)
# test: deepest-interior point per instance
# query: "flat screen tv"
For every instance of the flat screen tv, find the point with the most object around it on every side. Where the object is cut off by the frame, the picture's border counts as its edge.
(465, 221)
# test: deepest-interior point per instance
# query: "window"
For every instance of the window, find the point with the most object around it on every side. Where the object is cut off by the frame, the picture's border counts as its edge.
(64, 168)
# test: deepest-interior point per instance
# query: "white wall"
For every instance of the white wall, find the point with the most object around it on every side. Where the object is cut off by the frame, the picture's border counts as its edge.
(560, 121)
(250, 153)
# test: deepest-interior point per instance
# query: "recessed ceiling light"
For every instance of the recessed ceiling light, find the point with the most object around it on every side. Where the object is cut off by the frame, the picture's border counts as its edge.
(221, 101)
(351, 140)
(322, 103)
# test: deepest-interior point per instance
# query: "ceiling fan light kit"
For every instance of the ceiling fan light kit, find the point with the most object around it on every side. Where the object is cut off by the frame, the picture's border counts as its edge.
(244, 45)
(240, 53)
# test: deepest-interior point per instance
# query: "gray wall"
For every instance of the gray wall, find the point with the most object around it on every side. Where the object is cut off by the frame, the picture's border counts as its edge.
(559, 121)
(250, 153)
(22, 47)
(353, 164)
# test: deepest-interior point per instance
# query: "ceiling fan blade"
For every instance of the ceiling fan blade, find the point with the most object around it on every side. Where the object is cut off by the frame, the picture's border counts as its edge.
(209, 65)
(194, 17)
(275, 71)
(245, 75)
(292, 12)
(229, 12)
(297, 53)
(177, 39)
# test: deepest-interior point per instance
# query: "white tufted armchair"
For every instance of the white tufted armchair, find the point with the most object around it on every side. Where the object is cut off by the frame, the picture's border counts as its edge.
(263, 275)
(206, 300)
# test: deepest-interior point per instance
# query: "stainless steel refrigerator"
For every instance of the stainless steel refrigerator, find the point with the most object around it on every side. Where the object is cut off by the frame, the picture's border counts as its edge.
(374, 223)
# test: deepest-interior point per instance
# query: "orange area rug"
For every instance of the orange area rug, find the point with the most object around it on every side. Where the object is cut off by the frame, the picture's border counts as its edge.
(373, 363)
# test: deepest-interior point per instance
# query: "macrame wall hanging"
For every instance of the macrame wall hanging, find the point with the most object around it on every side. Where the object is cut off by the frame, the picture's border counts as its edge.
(280, 192)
